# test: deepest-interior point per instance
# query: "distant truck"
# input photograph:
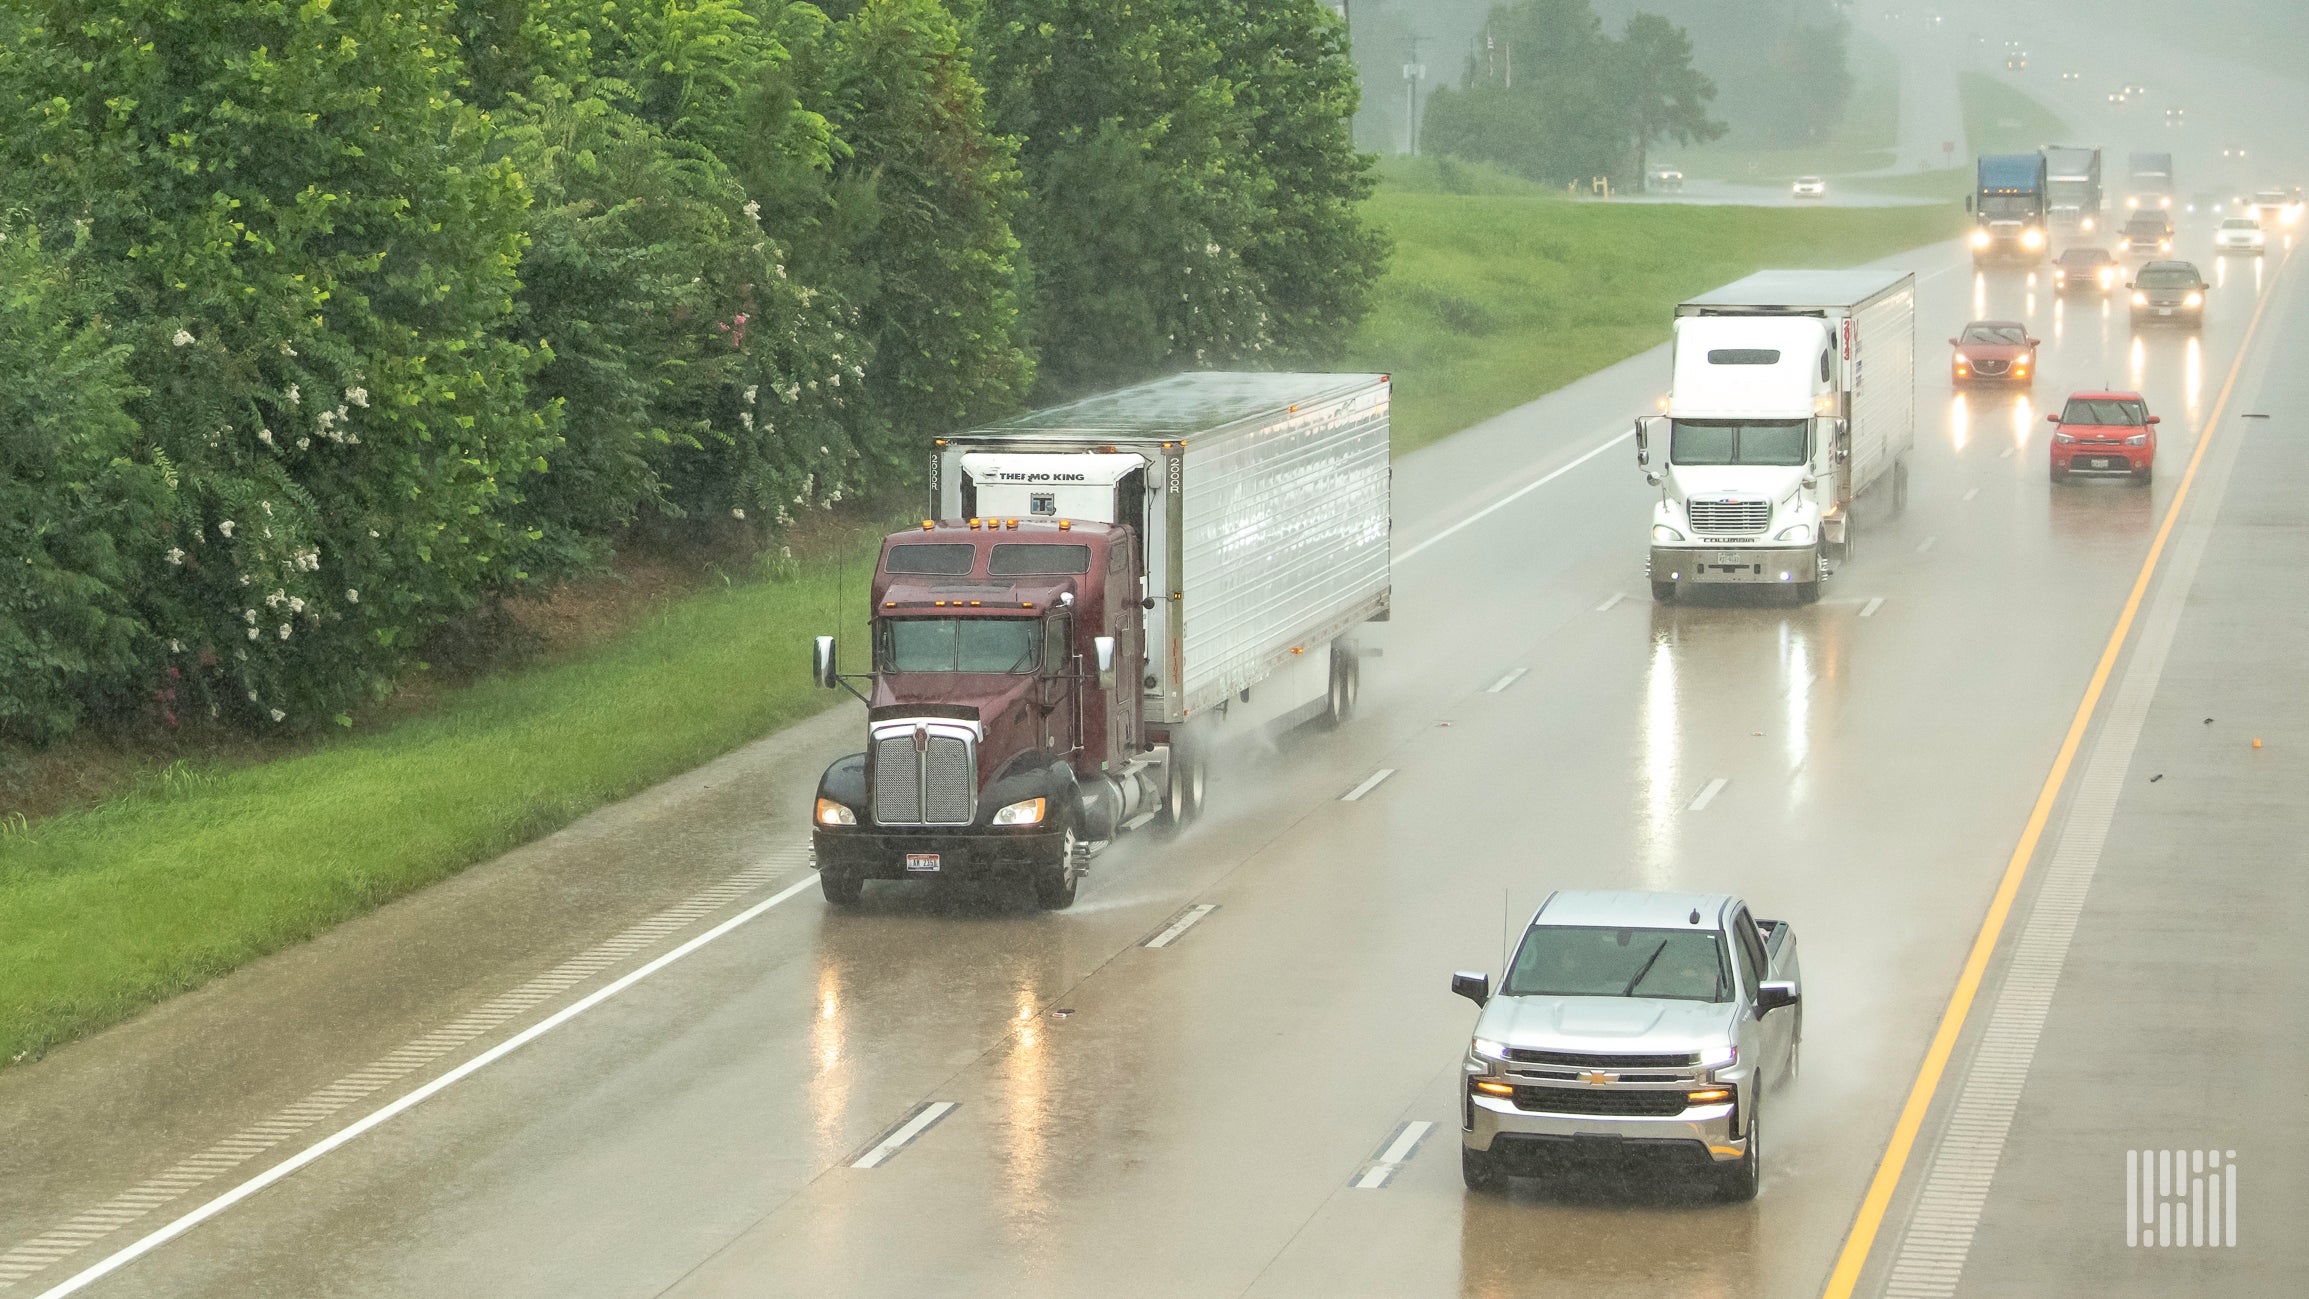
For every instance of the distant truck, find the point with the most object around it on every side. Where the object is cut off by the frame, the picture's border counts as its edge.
(1628, 1023)
(1792, 392)
(1102, 587)
(2149, 180)
(2073, 186)
(2008, 206)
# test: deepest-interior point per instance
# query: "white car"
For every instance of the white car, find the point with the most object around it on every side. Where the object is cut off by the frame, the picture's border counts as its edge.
(2240, 235)
(1809, 187)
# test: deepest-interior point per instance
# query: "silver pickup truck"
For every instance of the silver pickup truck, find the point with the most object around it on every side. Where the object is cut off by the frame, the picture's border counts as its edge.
(1631, 1024)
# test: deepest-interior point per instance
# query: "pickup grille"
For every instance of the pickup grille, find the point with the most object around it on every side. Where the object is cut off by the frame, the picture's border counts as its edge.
(1590, 1060)
(1610, 1102)
(930, 787)
(1730, 518)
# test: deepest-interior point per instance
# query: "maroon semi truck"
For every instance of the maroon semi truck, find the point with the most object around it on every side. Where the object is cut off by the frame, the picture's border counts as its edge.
(1105, 586)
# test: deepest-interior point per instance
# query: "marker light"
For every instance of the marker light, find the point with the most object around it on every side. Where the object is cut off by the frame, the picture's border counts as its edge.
(1024, 812)
(1708, 1096)
(833, 813)
(1491, 1088)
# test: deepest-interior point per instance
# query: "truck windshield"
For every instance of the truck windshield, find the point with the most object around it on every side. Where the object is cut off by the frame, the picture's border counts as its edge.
(957, 645)
(1578, 961)
(1734, 442)
(2009, 207)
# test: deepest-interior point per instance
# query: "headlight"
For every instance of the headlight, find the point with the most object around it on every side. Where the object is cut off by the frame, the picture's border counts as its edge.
(2137, 440)
(2193, 300)
(1720, 1057)
(2140, 299)
(1801, 534)
(2063, 438)
(1980, 238)
(833, 813)
(1962, 359)
(1662, 532)
(1024, 812)
(2108, 277)
(2088, 225)
(2032, 239)
(1485, 1048)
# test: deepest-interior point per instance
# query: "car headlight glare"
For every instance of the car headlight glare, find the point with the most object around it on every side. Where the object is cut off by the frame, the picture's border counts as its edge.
(1486, 1049)
(2108, 278)
(1801, 534)
(2032, 239)
(2088, 225)
(1720, 1057)
(2194, 300)
(1980, 239)
(1662, 532)
(833, 813)
(2140, 299)
(1962, 359)
(2137, 440)
(1026, 811)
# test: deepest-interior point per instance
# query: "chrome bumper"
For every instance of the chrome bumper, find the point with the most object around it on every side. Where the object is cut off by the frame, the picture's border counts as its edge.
(1710, 564)
(1708, 1126)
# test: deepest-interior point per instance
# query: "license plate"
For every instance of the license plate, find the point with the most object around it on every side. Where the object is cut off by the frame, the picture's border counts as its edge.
(2164, 311)
(2102, 463)
(921, 861)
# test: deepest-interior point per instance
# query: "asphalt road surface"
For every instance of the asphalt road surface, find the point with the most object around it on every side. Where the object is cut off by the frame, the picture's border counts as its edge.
(1046, 1106)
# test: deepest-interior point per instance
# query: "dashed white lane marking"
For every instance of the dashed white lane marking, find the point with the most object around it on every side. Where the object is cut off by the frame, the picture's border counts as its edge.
(1504, 682)
(1514, 496)
(1393, 1154)
(1180, 924)
(220, 1158)
(1971, 492)
(1616, 597)
(2005, 454)
(1928, 543)
(1938, 1237)
(1869, 609)
(1707, 794)
(924, 1117)
(1370, 783)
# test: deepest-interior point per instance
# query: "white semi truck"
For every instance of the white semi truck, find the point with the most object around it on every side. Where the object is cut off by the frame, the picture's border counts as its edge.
(1792, 393)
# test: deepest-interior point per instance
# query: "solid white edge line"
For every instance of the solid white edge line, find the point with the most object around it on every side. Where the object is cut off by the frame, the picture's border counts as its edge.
(1707, 794)
(1869, 609)
(162, 1236)
(1606, 606)
(929, 1113)
(1177, 928)
(1514, 675)
(1516, 495)
(1370, 783)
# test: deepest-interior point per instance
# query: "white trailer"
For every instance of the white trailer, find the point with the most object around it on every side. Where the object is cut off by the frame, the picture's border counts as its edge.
(1261, 501)
(1792, 393)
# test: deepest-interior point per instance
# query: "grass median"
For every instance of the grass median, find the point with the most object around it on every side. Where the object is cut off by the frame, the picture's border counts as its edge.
(1497, 296)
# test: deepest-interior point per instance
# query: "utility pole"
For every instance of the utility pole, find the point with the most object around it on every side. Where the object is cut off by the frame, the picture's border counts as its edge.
(1414, 72)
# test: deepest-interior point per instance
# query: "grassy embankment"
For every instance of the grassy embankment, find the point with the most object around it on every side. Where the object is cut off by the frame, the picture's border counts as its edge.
(1497, 296)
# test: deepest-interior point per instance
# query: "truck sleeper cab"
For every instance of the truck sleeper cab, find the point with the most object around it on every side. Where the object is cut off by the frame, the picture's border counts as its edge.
(1631, 1024)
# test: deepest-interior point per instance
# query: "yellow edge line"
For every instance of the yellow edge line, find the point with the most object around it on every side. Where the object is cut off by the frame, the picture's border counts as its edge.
(1862, 1239)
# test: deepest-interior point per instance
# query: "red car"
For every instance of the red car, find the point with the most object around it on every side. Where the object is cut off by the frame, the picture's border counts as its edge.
(1993, 351)
(2104, 433)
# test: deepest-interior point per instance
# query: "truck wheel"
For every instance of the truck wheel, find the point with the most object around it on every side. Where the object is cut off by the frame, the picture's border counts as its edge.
(1738, 1181)
(1183, 783)
(842, 889)
(1664, 592)
(2141, 479)
(1346, 684)
(1477, 1169)
(1054, 882)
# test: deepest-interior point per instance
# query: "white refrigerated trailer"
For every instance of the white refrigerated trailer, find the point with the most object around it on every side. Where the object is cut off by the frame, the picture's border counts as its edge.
(1792, 392)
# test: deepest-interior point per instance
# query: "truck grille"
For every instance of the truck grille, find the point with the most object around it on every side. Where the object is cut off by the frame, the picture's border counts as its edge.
(932, 787)
(1590, 1060)
(1610, 1102)
(1730, 518)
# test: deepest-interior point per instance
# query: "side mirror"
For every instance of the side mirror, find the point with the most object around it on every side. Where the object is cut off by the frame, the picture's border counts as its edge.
(1968, 202)
(822, 672)
(1475, 987)
(2052, 417)
(1772, 994)
(1103, 648)
(1955, 343)
(2156, 419)
(2035, 342)
(1643, 441)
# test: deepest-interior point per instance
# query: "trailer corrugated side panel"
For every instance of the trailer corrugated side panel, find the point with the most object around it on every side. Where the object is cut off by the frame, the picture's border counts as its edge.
(1283, 542)
(1884, 388)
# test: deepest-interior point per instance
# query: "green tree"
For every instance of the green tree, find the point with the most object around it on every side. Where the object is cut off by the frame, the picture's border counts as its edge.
(300, 220)
(1670, 96)
(1565, 118)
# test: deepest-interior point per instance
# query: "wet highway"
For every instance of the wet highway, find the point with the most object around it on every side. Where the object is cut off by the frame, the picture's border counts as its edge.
(1049, 1106)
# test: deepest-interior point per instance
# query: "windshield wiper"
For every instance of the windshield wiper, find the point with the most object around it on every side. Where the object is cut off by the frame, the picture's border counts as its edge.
(1630, 990)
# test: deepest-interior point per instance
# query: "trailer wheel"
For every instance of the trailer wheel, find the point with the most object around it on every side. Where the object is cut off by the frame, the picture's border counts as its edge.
(841, 888)
(1183, 779)
(1346, 684)
(1054, 882)
(1664, 592)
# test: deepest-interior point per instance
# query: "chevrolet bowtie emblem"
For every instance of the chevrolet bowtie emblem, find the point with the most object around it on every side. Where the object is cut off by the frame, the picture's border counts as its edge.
(1598, 1078)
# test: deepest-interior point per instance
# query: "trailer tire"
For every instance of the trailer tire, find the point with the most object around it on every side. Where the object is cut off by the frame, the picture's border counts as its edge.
(1346, 684)
(1664, 592)
(841, 888)
(1183, 780)
(1054, 881)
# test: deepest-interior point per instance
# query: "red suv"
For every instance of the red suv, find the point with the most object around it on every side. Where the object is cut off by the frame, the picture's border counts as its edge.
(2104, 433)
